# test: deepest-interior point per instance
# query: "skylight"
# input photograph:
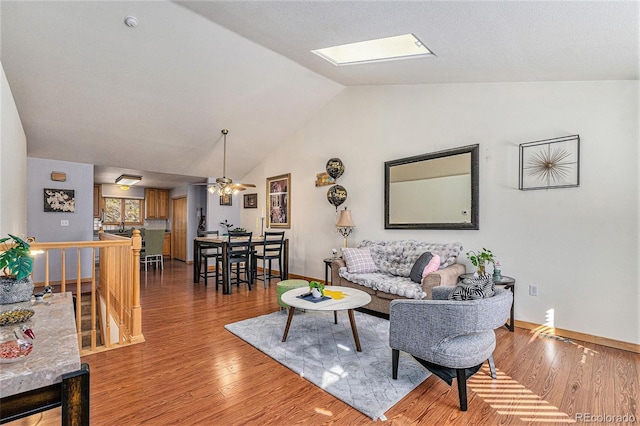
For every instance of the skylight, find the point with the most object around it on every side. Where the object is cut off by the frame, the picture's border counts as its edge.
(383, 49)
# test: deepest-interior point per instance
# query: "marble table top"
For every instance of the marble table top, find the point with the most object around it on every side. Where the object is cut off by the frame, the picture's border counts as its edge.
(353, 298)
(55, 347)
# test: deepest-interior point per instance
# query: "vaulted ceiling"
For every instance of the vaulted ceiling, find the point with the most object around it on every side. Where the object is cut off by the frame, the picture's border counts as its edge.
(154, 98)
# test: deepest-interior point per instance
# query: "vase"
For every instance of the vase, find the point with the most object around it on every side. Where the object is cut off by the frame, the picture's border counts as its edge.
(13, 291)
(481, 270)
(316, 293)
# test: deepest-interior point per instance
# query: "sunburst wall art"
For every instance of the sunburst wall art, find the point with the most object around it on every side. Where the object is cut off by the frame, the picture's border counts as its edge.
(550, 163)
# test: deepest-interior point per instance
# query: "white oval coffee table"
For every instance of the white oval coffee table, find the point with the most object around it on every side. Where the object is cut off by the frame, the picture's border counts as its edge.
(352, 299)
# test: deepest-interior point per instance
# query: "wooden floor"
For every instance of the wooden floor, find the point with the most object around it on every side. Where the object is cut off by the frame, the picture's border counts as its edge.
(192, 371)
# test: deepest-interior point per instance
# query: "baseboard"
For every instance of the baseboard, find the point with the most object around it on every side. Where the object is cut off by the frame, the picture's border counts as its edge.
(302, 277)
(598, 340)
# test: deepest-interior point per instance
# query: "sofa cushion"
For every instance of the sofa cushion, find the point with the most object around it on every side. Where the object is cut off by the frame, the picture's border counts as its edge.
(398, 257)
(474, 288)
(432, 266)
(401, 286)
(418, 268)
(359, 260)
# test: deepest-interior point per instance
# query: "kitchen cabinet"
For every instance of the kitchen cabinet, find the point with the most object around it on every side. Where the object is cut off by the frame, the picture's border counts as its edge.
(156, 203)
(166, 247)
(96, 201)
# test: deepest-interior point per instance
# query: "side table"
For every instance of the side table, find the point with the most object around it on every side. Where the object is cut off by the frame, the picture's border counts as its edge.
(509, 284)
(327, 268)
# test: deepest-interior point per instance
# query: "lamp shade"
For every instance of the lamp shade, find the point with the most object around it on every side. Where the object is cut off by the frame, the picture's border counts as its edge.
(345, 219)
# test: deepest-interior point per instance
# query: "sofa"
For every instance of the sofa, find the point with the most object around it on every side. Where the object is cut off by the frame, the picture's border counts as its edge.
(384, 270)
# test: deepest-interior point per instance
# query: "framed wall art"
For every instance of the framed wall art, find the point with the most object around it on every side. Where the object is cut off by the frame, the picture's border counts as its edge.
(550, 163)
(250, 201)
(323, 179)
(59, 200)
(279, 201)
(226, 200)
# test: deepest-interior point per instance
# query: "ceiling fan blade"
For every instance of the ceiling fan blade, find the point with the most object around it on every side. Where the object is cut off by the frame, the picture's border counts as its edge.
(242, 186)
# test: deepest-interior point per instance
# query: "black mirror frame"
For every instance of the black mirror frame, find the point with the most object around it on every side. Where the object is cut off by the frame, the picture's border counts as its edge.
(474, 224)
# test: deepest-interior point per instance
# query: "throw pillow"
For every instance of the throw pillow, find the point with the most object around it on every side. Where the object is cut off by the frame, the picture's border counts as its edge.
(432, 266)
(418, 267)
(474, 288)
(359, 260)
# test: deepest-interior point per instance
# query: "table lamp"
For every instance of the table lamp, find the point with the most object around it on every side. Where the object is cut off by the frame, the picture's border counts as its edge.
(345, 224)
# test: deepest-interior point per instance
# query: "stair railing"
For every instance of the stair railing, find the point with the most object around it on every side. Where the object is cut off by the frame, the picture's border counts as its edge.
(113, 287)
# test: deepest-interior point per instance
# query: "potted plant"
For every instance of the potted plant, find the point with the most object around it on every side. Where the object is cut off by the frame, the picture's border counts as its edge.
(16, 264)
(317, 289)
(480, 259)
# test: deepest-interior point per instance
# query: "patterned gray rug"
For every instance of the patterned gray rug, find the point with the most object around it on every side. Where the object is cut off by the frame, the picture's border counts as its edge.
(324, 353)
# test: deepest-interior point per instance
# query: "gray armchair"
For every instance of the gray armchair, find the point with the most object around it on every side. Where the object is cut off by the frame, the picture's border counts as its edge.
(451, 338)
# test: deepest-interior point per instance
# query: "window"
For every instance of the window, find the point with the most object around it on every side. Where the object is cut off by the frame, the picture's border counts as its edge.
(125, 210)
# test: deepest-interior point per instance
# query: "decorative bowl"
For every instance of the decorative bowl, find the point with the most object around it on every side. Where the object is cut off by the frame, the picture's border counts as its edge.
(16, 315)
(18, 348)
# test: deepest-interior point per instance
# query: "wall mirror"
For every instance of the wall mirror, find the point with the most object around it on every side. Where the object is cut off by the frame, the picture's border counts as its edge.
(439, 190)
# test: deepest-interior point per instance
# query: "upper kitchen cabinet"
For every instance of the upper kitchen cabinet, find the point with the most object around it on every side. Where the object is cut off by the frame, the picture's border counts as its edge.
(156, 203)
(96, 200)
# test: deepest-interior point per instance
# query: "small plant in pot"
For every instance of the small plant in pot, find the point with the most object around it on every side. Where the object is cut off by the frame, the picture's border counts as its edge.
(16, 264)
(480, 259)
(317, 289)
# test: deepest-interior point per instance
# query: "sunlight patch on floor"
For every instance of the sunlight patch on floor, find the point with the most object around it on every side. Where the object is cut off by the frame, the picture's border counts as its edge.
(547, 332)
(508, 397)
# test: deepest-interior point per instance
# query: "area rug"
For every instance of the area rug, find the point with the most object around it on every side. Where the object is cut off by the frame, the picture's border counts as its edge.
(324, 353)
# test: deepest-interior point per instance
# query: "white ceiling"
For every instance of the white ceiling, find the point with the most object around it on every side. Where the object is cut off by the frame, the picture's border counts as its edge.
(153, 99)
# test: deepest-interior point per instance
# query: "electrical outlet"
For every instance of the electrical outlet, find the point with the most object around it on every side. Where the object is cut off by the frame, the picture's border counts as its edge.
(533, 290)
(64, 223)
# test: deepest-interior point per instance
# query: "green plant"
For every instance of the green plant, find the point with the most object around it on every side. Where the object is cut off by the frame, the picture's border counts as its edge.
(15, 259)
(479, 259)
(239, 230)
(318, 285)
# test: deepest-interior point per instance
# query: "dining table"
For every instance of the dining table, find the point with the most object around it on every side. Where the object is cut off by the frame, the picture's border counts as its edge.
(222, 243)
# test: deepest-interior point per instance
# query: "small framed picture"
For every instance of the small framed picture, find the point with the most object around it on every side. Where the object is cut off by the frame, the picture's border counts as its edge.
(59, 200)
(250, 201)
(226, 200)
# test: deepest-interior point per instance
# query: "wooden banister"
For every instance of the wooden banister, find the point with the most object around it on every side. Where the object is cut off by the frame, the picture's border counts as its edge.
(115, 297)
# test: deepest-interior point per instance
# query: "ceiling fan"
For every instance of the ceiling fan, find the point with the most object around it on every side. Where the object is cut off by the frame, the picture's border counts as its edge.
(223, 185)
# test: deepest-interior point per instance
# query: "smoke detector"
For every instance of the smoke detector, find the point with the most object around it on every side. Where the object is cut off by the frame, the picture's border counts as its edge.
(131, 21)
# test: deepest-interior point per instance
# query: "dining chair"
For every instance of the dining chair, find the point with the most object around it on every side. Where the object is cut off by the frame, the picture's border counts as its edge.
(206, 254)
(238, 254)
(268, 251)
(152, 251)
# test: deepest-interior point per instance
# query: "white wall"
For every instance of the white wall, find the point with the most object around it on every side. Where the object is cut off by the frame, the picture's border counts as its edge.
(46, 226)
(578, 245)
(13, 165)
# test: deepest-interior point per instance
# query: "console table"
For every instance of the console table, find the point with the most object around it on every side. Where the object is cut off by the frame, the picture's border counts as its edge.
(509, 284)
(52, 375)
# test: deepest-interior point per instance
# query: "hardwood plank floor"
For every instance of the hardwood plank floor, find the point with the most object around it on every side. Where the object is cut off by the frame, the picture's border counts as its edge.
(192, 371)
